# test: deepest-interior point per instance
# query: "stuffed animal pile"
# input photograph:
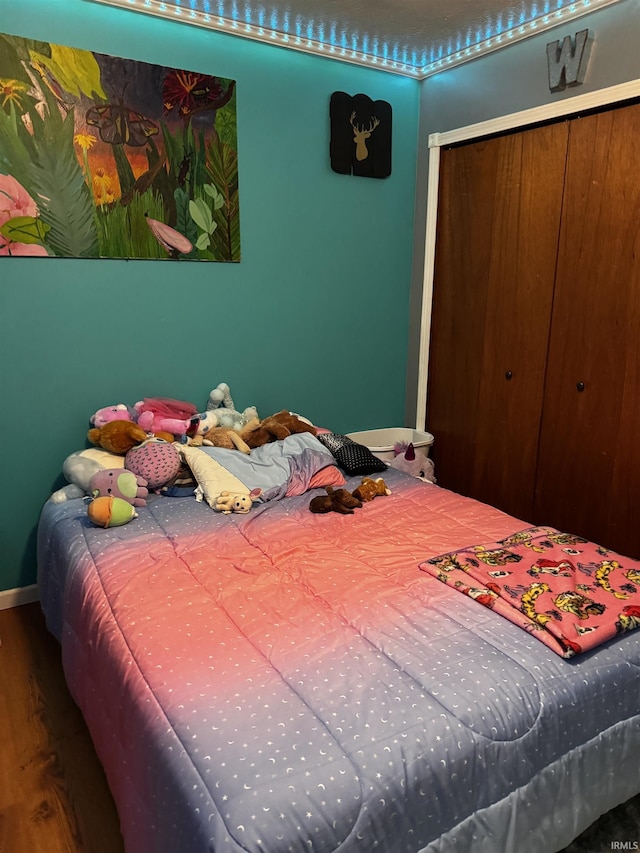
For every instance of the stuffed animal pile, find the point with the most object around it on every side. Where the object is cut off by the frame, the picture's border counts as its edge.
(178, 418)
(141, 449)
(253, 434)
(135, 450)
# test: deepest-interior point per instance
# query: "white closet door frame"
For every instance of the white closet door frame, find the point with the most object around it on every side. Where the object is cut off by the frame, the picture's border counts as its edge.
(588, 101)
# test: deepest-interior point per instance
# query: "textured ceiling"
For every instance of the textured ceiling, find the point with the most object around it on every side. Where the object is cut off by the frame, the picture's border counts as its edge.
(412, 37)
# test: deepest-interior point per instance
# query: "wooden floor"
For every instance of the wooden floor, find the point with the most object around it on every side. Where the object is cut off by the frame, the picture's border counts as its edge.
(53, 794)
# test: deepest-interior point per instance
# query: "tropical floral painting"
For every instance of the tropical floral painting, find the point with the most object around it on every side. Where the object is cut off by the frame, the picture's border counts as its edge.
(103, 157)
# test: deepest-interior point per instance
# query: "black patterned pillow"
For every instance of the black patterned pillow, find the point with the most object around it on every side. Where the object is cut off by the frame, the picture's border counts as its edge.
(352, 457)
(333, 441)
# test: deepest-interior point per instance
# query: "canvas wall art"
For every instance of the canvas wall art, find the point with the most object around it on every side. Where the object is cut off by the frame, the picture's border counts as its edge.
(106, 157)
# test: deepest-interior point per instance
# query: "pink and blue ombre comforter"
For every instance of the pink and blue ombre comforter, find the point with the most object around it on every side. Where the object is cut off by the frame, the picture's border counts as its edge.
(286, 681)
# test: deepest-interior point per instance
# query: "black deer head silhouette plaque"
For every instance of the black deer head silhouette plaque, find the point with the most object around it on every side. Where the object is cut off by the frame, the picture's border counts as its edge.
(360, 136)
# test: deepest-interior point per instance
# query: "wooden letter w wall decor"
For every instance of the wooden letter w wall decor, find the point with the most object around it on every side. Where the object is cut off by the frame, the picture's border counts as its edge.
(568, 64)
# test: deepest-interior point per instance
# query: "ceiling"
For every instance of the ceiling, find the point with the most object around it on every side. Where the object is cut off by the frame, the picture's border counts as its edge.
(416, 38)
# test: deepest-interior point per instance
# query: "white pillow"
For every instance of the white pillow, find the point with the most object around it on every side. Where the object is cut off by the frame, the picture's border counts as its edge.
(212, 477)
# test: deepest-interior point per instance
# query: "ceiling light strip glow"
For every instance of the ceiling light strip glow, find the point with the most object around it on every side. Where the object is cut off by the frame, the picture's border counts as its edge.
(517, 33)
(300, 43)
(305, 44)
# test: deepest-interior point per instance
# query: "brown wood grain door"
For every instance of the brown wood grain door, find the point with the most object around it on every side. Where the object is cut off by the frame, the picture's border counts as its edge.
(589, 460)
(498, 224)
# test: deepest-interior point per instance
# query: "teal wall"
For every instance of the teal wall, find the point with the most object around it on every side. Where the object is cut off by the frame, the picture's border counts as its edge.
(314, 318)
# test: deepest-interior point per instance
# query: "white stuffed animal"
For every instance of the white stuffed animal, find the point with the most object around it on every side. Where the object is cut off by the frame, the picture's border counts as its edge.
(221, 408)
(228, 502)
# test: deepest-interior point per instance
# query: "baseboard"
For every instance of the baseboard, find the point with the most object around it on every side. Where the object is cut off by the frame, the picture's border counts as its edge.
(18, 596)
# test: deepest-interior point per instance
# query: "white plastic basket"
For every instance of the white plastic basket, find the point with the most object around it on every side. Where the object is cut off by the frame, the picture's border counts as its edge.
(381, 441)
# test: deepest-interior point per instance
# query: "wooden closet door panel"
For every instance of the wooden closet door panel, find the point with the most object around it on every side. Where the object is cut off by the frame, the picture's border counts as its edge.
(498, 223)
(589, 462)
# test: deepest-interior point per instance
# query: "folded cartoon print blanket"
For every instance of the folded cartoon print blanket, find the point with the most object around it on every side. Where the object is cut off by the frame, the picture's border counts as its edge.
(570, 593)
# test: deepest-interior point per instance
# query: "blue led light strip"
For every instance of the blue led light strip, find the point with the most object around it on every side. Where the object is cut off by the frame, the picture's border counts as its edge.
(253, 22)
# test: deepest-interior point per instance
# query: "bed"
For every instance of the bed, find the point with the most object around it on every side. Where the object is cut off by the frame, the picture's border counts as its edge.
(283, 680)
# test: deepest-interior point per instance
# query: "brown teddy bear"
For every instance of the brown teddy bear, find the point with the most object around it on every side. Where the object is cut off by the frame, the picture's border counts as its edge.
(221, 437)
(370, 489)
(339, 500)
(274, 428)
(293, 423)
(117, 436)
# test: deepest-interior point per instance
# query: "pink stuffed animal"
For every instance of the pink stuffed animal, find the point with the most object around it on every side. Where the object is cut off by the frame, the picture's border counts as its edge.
(119, 412)
(163, 414)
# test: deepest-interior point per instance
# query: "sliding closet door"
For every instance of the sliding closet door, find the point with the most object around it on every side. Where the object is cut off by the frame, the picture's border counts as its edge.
(589, 460)
(498, 224)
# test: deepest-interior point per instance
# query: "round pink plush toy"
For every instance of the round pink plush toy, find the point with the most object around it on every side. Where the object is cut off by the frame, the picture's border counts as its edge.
(155, 460)
(119, 483)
